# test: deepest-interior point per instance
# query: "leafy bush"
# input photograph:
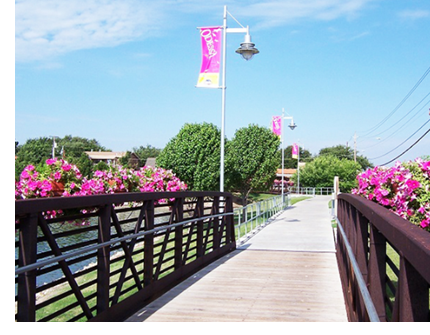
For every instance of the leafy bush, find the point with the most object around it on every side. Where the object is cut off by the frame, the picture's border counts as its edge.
(322, 170)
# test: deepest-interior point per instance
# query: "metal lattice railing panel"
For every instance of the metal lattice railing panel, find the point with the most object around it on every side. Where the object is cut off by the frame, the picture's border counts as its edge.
(130, 250)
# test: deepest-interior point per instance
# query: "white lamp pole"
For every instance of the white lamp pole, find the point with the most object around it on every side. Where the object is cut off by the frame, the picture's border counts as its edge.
(292, 126)
(298, 167)
(54, 145)
(247, 50)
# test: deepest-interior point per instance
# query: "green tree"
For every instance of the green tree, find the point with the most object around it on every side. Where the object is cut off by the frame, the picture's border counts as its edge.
(74, 146)
(251, 160)
(85, 165)
(322, 170)
(146, 152)
(344, 152)
(33, 152)
(289, 161)
(37, 151)
(194, 156)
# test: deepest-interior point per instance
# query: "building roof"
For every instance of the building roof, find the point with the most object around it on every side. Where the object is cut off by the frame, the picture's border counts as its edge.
(105, 154)
(288, 172)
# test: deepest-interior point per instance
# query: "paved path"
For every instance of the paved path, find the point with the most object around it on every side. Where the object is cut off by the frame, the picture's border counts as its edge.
(286, 272)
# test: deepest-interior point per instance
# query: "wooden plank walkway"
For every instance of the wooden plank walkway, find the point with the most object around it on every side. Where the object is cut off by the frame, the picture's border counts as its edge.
(286, 272)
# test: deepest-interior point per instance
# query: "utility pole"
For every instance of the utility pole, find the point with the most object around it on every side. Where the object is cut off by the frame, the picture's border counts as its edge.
(355, 147)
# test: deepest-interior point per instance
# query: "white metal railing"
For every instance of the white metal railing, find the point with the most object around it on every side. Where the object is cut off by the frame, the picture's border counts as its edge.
(253, 217)
(313, 191)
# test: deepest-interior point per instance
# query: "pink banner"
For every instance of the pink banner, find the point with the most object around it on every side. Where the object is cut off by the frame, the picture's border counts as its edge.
(211, 38)
(276, 125)
(295, 151)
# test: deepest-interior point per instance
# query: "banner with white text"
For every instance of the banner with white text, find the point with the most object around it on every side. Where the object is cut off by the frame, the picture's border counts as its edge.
(295, 151)
(211, 38)
(276, 125)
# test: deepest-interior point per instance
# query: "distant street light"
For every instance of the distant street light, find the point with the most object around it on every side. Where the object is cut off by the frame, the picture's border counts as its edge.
(292, 126)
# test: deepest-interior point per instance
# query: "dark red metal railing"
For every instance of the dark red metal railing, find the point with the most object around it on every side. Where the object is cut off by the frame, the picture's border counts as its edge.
(130, 251)
(393, 258)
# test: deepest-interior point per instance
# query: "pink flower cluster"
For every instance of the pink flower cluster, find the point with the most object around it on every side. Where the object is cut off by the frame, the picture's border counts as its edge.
(33, 184)
(404, 189)
(30, 185)
(286, 182)
(120, 179)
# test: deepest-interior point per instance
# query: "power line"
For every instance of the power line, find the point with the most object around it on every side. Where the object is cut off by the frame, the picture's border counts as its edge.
(402, 126)
(371, 130)
(403, 141)
(408, 148)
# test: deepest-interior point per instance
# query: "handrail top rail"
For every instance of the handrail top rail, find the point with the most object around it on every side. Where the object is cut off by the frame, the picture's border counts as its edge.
(414, 241)
(25, 206)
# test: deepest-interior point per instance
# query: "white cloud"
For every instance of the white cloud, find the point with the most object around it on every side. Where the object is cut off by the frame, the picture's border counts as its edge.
(47, 28)
(414, 14)
(278, 12)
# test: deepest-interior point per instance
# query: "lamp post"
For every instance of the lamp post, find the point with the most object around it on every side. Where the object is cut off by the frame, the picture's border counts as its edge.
(292, 126)
(247, 51)
(54, 146)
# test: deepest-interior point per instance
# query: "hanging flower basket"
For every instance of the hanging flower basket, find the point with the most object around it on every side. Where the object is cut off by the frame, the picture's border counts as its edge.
(57, 188)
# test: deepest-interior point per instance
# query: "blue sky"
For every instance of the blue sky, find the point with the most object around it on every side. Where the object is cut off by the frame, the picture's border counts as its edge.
(124, 71)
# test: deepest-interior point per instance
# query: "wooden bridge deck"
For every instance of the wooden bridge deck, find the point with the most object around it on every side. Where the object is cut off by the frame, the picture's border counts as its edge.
(286, 272)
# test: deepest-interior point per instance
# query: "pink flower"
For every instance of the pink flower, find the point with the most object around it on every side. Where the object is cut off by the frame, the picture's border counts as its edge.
(425, 223)
(25, 175)
(66, 167)
(98, 174)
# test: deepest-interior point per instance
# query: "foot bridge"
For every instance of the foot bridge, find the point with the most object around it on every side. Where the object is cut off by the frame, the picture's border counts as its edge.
(188, 256)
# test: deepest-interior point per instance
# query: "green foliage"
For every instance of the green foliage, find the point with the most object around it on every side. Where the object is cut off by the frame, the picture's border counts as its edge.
(344, 152)
(101, 166)
(194, 156)
(37, 151)
(322, 170)
(124, 161)
(85, 165)
(146, 152)
(34, 152)
(74, 146)
(289, 161)
(251, 160)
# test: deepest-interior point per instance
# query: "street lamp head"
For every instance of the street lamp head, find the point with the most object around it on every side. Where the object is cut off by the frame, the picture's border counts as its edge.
(292, 125)
(247, 50)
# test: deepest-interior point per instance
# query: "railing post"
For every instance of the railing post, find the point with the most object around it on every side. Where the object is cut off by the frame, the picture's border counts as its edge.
(376, 271)
(229, 221)
(216, 223)
(412, 296)
(362, 248)
(200, 212)
(27, 281)
(179, 208)
(148, 244)
(103, 260)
